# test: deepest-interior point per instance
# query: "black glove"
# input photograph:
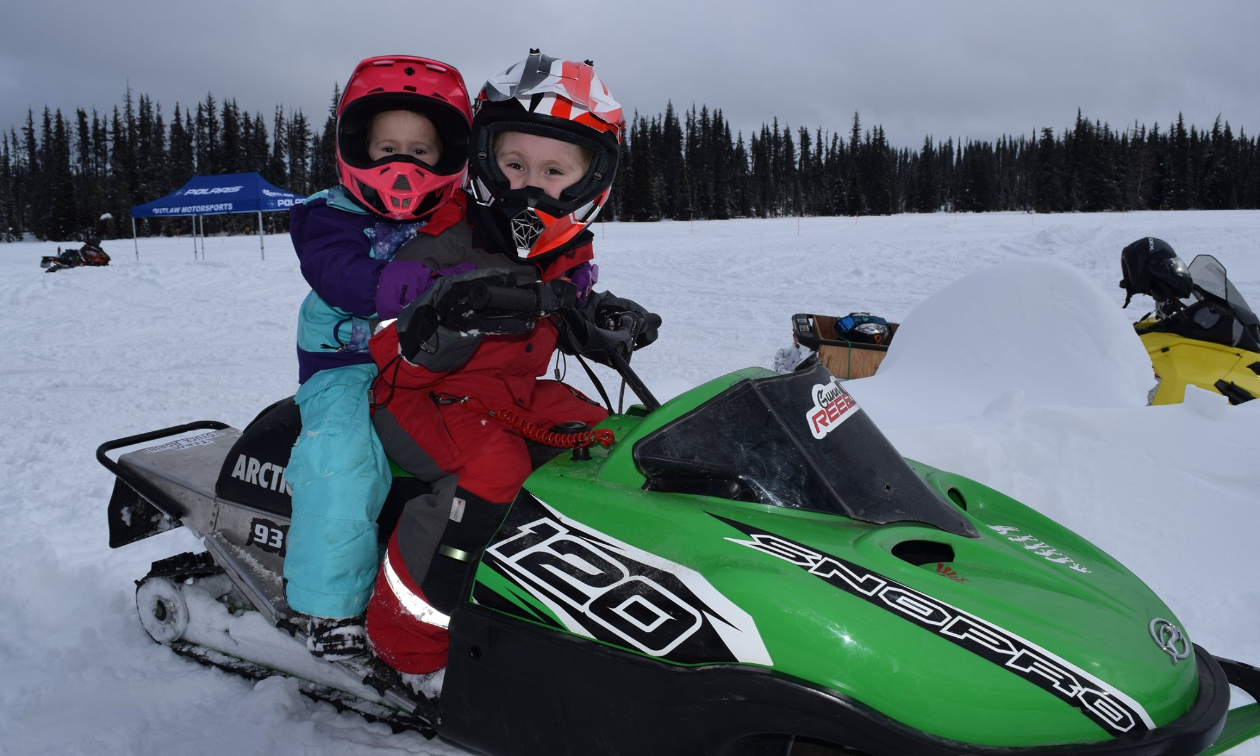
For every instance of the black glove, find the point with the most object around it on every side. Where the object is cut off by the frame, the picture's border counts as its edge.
(611, 312)
(607, 324)
(445, 316)
(581, 336)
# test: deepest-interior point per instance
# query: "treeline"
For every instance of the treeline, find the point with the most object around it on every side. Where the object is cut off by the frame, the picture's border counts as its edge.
(61, 177)
(691, 167)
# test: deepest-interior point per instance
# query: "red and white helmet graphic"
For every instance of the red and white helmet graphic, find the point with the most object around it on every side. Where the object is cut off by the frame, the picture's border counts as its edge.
(402, 187)
(556, 99)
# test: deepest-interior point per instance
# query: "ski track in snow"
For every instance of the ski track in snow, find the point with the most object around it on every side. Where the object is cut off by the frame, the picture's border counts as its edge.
(96, 354)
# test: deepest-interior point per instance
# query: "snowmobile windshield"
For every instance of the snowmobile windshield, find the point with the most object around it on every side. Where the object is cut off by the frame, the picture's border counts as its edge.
(1210, 275)
(798, 441)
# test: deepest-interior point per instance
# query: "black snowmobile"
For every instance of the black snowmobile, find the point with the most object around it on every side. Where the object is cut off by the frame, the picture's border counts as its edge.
(90, 254)
(749, 569)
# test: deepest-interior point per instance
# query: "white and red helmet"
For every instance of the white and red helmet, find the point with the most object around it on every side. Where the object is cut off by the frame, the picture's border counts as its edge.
(557, 99)
(401, 187)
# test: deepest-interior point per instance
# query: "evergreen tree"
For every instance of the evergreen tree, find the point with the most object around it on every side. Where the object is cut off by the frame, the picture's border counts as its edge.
(927, 187)
(298, 150)
(63, 214)
(228, 153)
(180, 166)
(324, 149)
(644, 205)
(277, 168)
(676, 189)
(1048, 192)
(856, 204)
(1179, 166)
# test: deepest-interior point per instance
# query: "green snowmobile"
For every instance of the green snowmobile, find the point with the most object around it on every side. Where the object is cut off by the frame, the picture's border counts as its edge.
(751, 568)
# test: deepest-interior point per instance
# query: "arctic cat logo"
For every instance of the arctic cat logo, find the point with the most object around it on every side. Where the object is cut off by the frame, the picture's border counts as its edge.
(832, 406)
(949, 572)
(612, 592)
(1031, 543)
(1108, 707)
(263, 474)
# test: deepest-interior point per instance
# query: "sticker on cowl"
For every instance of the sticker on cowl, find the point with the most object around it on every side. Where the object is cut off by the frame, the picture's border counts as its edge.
(832, 406)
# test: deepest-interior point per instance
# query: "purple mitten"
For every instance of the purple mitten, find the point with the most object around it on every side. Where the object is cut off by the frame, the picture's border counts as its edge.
(401, 281)
(584, 278)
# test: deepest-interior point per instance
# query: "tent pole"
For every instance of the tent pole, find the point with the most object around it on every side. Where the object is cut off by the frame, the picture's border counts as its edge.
(194, 236)
(133, 237)
(261, 247)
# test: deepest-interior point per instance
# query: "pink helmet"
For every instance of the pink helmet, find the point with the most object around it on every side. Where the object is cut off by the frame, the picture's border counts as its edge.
(401, 187)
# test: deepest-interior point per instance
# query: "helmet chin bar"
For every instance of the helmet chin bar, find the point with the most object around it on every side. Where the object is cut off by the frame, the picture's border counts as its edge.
(526, 228)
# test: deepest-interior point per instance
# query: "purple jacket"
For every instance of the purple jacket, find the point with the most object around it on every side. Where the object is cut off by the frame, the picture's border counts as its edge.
(342, 249)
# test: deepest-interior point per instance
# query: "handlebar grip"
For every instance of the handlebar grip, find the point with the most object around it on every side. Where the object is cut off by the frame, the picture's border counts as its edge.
(485, 296)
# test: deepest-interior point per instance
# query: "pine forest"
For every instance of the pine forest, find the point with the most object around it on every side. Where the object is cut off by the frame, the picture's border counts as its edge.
(65, 176)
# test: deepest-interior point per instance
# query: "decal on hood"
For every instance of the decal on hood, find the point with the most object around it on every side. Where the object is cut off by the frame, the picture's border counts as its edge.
(609, 591)
(832, 406)
(1034, 544)
(1111, 709)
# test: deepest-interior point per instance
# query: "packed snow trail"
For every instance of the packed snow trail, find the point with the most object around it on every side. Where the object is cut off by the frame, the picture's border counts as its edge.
(1016, 400)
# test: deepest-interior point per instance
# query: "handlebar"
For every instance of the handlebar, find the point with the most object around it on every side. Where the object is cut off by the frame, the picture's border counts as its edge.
(541, 300)
(488, 296)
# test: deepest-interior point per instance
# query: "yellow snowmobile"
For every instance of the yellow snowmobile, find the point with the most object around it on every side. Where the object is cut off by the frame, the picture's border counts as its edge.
(1201, 332)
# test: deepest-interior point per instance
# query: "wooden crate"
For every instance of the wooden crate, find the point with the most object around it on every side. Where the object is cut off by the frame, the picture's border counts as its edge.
(845, 359)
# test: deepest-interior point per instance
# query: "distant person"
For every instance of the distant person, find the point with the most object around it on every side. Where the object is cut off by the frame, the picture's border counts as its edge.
(401, 145)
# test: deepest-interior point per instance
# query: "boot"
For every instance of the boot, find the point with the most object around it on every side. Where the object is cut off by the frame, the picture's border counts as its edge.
(336, 639)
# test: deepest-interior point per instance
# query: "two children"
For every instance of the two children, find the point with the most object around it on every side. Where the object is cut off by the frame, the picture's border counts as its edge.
(544, 149)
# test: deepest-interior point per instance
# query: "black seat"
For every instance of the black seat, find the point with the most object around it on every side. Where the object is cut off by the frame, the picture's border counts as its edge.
(253, 473)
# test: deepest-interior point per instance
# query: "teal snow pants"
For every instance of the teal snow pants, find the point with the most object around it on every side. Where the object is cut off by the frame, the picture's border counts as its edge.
(340, 478)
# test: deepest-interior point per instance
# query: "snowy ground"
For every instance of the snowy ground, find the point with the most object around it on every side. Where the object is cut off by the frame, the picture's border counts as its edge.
(1024, 377)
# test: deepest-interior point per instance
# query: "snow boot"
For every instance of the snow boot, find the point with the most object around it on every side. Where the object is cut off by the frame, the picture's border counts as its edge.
(336, 639)
(428, 684)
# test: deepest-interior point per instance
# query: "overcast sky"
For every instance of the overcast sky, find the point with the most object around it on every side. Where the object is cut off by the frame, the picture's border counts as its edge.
(975, 69)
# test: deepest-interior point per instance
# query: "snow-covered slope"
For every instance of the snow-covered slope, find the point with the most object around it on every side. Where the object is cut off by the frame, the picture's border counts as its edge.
(1024, 376)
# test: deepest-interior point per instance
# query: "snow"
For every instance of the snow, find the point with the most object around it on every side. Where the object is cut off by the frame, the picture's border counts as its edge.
(1014, 365)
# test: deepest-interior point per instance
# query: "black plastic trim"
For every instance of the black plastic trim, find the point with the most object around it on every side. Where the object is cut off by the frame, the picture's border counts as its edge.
(516, 689)
(1232, 391)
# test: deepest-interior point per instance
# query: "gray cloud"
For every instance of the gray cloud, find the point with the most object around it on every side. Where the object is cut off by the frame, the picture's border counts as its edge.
(978, 69)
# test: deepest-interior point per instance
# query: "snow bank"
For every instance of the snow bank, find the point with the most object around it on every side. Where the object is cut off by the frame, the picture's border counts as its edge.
(1024, 332)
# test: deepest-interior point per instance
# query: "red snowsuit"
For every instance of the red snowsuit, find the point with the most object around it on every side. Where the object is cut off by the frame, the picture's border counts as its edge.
(477, 462)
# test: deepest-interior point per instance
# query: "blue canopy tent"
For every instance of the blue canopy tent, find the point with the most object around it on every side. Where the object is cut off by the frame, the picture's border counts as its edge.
(217, 195)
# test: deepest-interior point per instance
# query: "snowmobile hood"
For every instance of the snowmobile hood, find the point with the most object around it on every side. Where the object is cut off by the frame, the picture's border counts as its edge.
(1010, 631)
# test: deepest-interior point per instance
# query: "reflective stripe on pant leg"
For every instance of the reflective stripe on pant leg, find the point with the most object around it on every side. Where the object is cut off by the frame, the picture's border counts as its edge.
(413, 602)
(398, 633)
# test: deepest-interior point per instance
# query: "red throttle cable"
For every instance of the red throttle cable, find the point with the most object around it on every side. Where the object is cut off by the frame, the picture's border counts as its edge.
(603, 436)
